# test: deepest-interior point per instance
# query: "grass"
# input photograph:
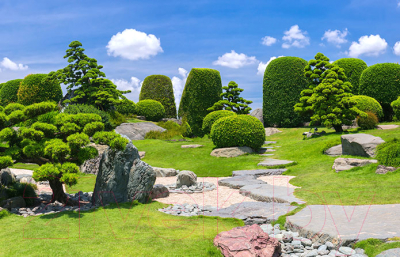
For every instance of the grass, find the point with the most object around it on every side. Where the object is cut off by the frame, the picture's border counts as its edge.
(374, 247)
(25, 166)
(86, 183)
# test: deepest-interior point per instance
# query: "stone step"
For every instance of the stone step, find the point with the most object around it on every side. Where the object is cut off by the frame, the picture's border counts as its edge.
(267, 149)
(258, 173)
(270, 193)
(267, 154)
(240, 181)
(269, 142)
(273, 162)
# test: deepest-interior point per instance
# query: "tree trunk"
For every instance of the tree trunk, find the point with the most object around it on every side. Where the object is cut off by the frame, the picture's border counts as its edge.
(338, 128)
(58, 191)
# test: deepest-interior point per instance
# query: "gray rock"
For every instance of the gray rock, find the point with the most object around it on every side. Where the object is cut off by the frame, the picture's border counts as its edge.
(360, 144)
(15, 202)
(231, 151)
(141, 181)
(387, 126)
(347, 250)
(342, 164)
(137, 131)
(142, 154)
(179, 122)
(191, 146)
(329, 245)
(390, 253)
(186, 178)
(382, 169)
(269, 142)
(306, 242)
(165, 172)
(6, 177)
(273, 162)
(258, 113)
(269, 193)
(25, 179)
(240, 181)
(334, 151)
(159, 191)
(271, 131)
(91, 166)
(258, 173)
(312, 253)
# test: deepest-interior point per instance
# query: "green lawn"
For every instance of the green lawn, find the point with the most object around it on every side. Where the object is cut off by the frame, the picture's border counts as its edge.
(25, 166)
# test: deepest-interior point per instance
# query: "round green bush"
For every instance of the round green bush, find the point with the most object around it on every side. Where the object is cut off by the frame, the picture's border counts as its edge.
(240, 130)
(9, 91)
(388, 153)
(353, 67)
(368, 104)
(203, 88)
(368, 122)
(213, 117)
(396, 107)
(382, 82)
(283, 82)
(36, 88)
(83, 108)
(159, 88)
(13, 107)
(151, 109)
(126, 107)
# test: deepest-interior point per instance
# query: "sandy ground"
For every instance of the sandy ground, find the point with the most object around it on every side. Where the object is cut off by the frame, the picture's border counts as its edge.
(222, 197)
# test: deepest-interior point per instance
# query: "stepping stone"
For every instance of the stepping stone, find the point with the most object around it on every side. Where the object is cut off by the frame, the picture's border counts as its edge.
(273, 162)
(334, 151)
(270, 131)
(240, 181)
(342, 164)
(390, 253)
(270, 193)
(266, 149)
(191, 146)
(269, 142)
(258, 173)
(267, 154)
(388, 126)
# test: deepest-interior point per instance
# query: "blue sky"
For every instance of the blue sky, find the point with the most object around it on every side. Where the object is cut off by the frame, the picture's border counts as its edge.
(135, 39)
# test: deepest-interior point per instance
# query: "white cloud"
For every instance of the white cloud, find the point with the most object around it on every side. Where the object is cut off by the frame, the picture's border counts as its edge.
(134, 85)
(235, 60)
(268, 41)
(295, 37)
(372, 45)
(335, 37)
(133, 45)
(262, 66)
(8, 64)
(398, 3)
(179, 84)
(396, 48)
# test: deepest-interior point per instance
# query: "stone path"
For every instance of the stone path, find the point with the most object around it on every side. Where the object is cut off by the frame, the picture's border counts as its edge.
(258, 173)
(273, 162)
(270, 193)
(269, 142)
(388, 126)
(240, 181)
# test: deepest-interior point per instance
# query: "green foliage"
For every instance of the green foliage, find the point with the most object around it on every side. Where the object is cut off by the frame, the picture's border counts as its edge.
(388, 153)
(13, 107)
(353, 68)
(83, 108)
(81, 119)
(126, 107)
(213, 117)
(186, 129)
(240, 130)
(8, 135)
(119, 143)
(5, 161)
(49, 117)
(32, 134)
(395, 105)
(283, 81)
(172, 130)
(47, 129)
(92, 128)
(231, 100)
(328, 98)
(368, 104)
(3, 120)
(368, 122)
(77, 141)
(40, 109)
(67, 173)
(14, 152)
(36, 88)
(25, 190)
(56, 150)
(87, 153)
(69, 128)
(105, 137)
(373, 246)
(382, 82)
(151, 109)
(16, 117)
(117, 118)
(159, 88)
(9, 91)
(203, 88)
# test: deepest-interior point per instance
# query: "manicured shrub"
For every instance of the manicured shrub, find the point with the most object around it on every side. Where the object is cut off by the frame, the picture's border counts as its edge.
(353, 67)
(368, 104)
(104, 137)
(36, 88)
(213, 117)
(240, 130)
(283, 82)
(117, 118)
(186, 129)
(126, 107)
(203, 88)
(9, 91)
(40, 109)
(382, 82)
(5, 161)
(388, 153)
(151, 109)
(47, 129)
(119, 143)
(82, 108)
(159, 88)
(368, 122)
(81, 119)
(172, 130)
(396, 108)
(27, 191)
(13, 107)
(91, 128)
(16, 117)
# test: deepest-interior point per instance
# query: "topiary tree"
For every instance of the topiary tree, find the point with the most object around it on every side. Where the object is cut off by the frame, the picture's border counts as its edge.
(238, 130)
(213, 117)
(36, 88)
(283, 81)
(126, 107)
(203, 88)
(328, 98)
(9, 91)
(388, 153)
(368, 122)
(159, 88)
(83, 108)
(353, 68)
(396, 108)
(382, 82)
(368, 104)
(151, 109)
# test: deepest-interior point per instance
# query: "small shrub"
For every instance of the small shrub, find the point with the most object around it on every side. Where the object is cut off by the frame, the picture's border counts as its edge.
(9, 91)
(13, 107)
(368, 122)
(16, 117)
(186, 129)
(388, 153)
(69, 128)
(117, 118)
(82, 108)
(40, 109)
(119, 143)
(36, 88)
(92, 128)
(14, 152)
(81, 119)
(213, 117)
(47, 129)
(104, 137)
(77, 141)
(396, 107)
(126, 107)
(27, 191)
(151, 109)
(5, 161)
(86, 153)
(368, 104)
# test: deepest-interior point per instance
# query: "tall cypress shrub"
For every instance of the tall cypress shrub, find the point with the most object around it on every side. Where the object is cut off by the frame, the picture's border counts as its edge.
(353, 68)
(9, 91)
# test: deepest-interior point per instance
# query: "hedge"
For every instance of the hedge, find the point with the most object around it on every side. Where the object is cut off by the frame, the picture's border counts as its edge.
(382, 82)
(283, 82)
(203, 88)
(82, 108)
(151, 109)
(159, 88)
(213, 117)
(353, 68)
(368, 104)
(126, 107)
(36, 88)
(9, 91)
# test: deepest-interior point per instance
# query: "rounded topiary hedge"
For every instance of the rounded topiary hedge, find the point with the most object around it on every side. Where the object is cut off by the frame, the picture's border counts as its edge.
(159, 88)
(213, 117)
(382, 82)
(283, 82)
(388, 153)
(9, 91)
(36, 88)
(203, 88)
(126, 107)
(151, 109)
(353, 68)
(368, 104)
(239, 130)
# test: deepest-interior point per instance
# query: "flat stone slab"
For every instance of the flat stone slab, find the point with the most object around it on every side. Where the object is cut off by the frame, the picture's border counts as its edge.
(21, 172)
(191, 146)
(390, 253)
(342, 164)
(273, 162)
(258, 173)
(137, 131)
(270, 131)
(245, 210)
(267, 149)
(388, 126)
(267, 154)
(269, 142)
(348, 223)
(165, 172)
(270, 193)
(229, 152)
(334, 151)
(240, 181)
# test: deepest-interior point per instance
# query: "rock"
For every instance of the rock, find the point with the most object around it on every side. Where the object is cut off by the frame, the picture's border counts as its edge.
(360, 144)
(258, 173)
(15, 202)
(159, 191)
(382, 169)
(186, 178)
(273, 162)
(137, 131)
(258, 113)
(240, 181)
(390, 253)
(142, 154)
(247, 241)
(346, 250)
(312, 253)
(179, 122)
(271, 131)
(25, 179)
(165, 172)
(231, 151)
(334, 151)
(269, 193)
(191, 146)
(387, 126)
(91, 166)
(341, 164)
(123, 177)
(6, 177)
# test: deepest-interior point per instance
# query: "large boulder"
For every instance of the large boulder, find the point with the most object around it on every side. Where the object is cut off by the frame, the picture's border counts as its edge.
(123, 177)
(15, 202)
(6, 177)
(231, 151)
(165, 172)
(342, 164)
(271, 131)
(137, 131)
(247, 241)
(186, 178)
(159, 191)
(91, 166)
(334, 151)
(258, 113)
(360, 144)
